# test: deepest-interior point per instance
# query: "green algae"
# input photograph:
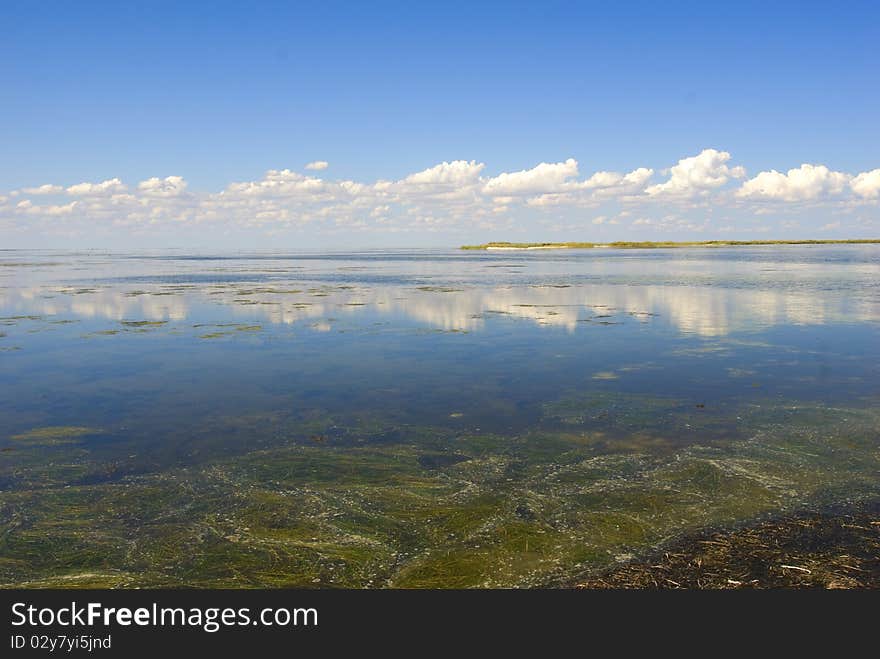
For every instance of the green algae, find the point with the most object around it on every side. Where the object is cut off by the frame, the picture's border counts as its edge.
(15, 320)
(226, 329)
(143, 323)
(420, 507)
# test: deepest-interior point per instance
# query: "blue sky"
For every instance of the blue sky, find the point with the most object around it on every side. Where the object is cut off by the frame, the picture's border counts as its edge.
(93, 92)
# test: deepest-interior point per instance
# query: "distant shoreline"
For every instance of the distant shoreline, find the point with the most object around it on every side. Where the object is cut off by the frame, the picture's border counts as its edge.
(501, 245)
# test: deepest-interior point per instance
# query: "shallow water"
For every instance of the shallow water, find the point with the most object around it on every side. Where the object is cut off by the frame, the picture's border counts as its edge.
(420, 418)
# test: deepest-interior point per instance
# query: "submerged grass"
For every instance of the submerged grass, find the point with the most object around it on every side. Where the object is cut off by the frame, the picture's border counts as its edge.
(424, 507)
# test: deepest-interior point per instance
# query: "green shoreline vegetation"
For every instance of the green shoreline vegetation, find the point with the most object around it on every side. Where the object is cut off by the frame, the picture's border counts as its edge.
(646, 244)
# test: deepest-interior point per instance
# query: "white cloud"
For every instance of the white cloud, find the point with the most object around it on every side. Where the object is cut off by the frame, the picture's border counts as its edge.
(698, 175)
(449, 196)
(170, 186)
(603, 180)
(48, 188)
(318, 165)
(541, 179)
(550, 199)
(92, 189)
(867, 184)
(457, 172)
(64, 209)
(804, 183)
(638, 177)
(634, 180)
(278, 182)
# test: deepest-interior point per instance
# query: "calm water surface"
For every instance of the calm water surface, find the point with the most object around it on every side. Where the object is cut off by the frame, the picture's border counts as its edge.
(420, 418)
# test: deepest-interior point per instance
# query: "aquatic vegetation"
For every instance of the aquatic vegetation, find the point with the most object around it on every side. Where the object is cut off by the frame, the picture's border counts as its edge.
(472, 428)
(475, 510)
(226, 329)
(438, 289)
(13, 320)
(824, 549)
(53, 435)
(143, 323)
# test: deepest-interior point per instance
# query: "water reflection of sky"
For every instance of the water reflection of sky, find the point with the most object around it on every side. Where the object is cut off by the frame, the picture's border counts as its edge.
(702, 292)
(669, 390)
(416, 335)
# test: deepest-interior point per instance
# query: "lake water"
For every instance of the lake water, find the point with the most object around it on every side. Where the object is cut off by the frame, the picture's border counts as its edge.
(421, 418)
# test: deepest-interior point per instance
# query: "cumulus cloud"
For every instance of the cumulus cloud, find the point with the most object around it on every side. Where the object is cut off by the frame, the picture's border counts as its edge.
(91, 189)
(278, 182)
(318, 165)
(804, 183)
(603, 180)
(634, 180)
(451, 195)
(543, 178)
(598, 188)
(170, 186)
(638, 176)
(697, 175)
(48, 188)
(62, 209)
(27, 207)
(608, 185)
(549, 199)
(867, 184)
(456, 172)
